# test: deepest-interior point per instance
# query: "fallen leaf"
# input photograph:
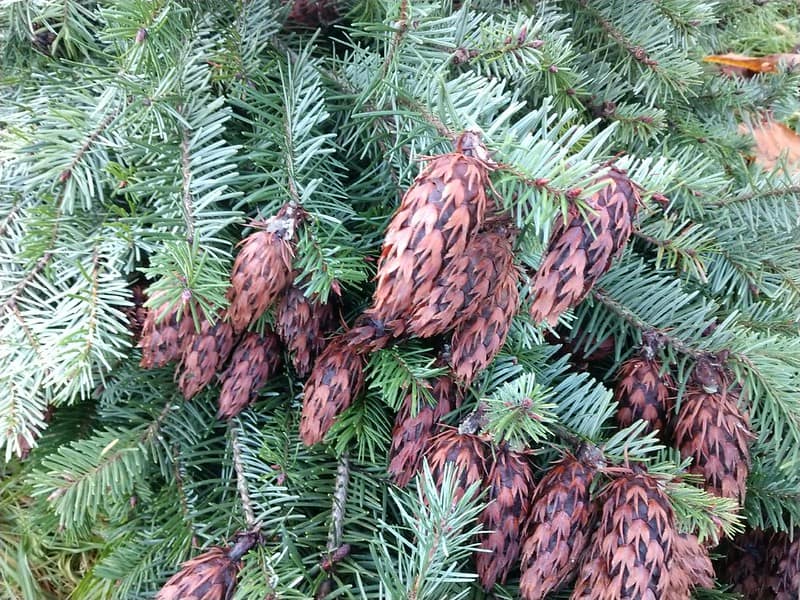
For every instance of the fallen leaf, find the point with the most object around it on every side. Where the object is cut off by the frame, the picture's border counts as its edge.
(755, 64)
(774, 142)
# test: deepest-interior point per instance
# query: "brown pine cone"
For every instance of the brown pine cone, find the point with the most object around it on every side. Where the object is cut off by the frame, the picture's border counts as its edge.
(437, 216)
(581, 250)
(466, 282)
(711, 429)
(209, 576)
(632, 548)
(137, 313)
(262, 269)
(750, 566)
(302, 324)
(254, 360)
(510, 484)
(164, 334)
(312, 14)
(477, 340)
(337, 377)
(786, 554)
(642, 393)
(411, 434)
(691, 567)
(465, 451)
(561, 516)
(204, 354)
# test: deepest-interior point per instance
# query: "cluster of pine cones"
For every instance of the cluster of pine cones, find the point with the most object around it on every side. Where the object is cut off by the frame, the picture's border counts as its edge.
(446, 270)
(446, 273)
(243, 360)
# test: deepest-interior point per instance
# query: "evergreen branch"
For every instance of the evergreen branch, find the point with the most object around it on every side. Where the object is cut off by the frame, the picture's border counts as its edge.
(637, 52)
(11, 301)
(241, 481)
(401, 27)
(87, 144)
(9, 218)
(757, 195)
(634, 321)
(186, 195)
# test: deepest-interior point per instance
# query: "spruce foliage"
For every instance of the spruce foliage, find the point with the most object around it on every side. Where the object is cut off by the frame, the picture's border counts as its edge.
(141, 141)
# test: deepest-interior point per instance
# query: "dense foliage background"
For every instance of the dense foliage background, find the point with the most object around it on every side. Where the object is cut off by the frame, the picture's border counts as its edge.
(139, 138)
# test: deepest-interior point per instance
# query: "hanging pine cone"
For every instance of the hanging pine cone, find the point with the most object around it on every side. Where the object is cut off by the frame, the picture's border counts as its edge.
(412, 434)
(632, 548)
(262, 269)
(437, 216)
(787, 556)
(643, 393)
(582, 249)
(210, 576)
(164, 334)
(337, 377)
(510, 484)
(711, 429)
(750, 566)
(477, 340)
(253, 361)
(302, 323)
(204, 354)
(691, 567)
(465, 451)
(136, 313)
(561, 516)
(466, 282)
(312, 14)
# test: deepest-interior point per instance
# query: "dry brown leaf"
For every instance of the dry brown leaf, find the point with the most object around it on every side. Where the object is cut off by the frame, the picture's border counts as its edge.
(773, 141)
(756, 64)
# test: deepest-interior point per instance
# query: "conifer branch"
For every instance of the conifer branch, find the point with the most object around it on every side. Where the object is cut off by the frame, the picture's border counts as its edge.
(186, 196)
(758, 195)
(23, 283)
(637, 52)
(680, 345)
(401, 26)
(87, 144)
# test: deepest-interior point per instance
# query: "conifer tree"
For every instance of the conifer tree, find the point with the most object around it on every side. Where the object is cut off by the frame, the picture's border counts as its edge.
(457, 246)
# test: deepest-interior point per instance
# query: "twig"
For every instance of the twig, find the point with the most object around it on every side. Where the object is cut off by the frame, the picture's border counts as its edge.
(241, 482)
(186, 198)
(339, 502)
(637, 52)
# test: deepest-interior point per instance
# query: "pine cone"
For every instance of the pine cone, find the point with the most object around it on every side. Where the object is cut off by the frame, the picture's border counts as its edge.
(253, 361)
(302, 324)
(750, 566)
(561, 515)
(137, 313)
(437, 216)
(631, 550)
(582, 249)
(711, 429)
(510, 485)
(204, 354)
(465, 283)
(787, 556)
(643, 394)
(463, 450)
(164, 335)
(477, 340)
(691, 567)
(313, 13)
(411, 434)
(209, 576)
(262, 269)
(337, 377)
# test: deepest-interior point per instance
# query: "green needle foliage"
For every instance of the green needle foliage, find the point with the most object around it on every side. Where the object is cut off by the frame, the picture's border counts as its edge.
(142, 140)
